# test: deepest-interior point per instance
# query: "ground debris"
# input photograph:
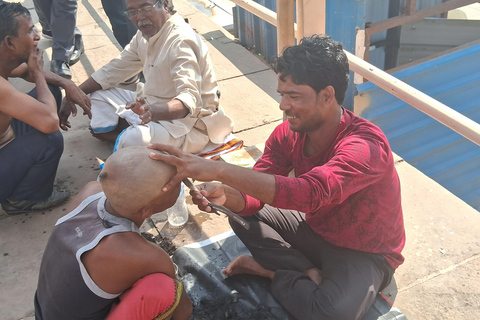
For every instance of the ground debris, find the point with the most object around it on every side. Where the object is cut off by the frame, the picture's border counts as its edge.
(164, 243)
(218, 309)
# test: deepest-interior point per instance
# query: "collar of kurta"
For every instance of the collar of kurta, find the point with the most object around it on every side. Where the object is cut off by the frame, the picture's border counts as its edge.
(170, 22)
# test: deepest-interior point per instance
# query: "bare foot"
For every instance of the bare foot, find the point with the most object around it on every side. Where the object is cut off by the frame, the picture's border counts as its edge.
(314, 274)
(110, 136)
(247, 265)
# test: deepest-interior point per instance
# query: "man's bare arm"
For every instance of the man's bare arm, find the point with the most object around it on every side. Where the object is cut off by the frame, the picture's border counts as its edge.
(121, 259)
(73, 93)
(174, 109)
(21, 72)
(256, 184)
(40, 113)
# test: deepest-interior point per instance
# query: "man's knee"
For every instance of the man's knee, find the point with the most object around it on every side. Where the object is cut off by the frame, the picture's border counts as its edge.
(97, 96)
(134, 136)
(342, 306)
(55, 90)
(153, 295)
(240, 230)
(55, 144)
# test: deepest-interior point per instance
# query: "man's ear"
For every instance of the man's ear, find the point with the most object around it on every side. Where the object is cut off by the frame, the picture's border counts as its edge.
(328, 95)
(146, 212)
(9, 42)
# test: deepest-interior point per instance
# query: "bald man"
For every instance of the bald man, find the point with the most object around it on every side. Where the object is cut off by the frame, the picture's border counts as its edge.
(97, 265)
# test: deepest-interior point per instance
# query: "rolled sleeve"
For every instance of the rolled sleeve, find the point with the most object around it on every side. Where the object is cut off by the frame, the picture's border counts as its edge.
(252, 205)
(188, 101)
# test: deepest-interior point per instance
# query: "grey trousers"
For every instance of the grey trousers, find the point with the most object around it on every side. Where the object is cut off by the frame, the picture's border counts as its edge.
(60, 17)
(282, 241)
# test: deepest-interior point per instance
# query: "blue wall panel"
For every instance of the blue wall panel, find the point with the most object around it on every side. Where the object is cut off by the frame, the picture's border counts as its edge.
(431, 147)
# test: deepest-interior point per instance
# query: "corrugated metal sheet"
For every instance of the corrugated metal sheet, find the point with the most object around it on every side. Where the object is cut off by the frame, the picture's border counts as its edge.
(255, 33)
(430, 36)
(431, 147)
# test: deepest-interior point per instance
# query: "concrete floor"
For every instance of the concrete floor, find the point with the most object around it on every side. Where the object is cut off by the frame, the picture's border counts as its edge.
(439, 279)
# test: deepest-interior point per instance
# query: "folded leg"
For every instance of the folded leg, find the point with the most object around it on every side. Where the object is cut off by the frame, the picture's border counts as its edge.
(108, 106)
(153, 297)
(282, 241)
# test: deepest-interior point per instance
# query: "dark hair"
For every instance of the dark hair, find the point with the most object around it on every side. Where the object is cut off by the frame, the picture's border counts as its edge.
(169, 6)
(9, 24)
(318, 61)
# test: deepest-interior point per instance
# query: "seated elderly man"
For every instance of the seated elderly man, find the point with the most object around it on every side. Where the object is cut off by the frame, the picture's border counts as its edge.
(178, 105)
(30, 141)
(97, 265)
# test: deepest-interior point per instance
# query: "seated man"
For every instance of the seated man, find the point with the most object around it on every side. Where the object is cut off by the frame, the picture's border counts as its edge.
(331, 236)
(30, 141)
(179, 105)
(97, 265)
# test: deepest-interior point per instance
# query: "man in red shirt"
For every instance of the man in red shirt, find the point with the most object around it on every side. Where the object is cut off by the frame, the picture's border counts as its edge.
(329, 236)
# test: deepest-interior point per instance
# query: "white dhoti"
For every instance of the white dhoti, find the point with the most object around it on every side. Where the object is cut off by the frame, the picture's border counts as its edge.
(109, 105)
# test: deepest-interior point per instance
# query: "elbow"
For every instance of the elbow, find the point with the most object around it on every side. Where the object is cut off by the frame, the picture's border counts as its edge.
(50, 126)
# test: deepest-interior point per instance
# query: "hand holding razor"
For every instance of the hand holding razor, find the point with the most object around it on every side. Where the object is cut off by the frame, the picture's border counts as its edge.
(217, 208)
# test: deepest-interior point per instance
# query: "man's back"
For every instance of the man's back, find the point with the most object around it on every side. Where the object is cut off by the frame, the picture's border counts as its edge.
(96, 264)
(65, 288)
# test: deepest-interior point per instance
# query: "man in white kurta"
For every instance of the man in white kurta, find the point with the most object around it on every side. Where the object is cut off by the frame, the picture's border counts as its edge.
(178, 105)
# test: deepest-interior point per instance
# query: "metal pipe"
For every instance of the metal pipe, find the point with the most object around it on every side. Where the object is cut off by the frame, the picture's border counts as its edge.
(258, 10)
(435, 109)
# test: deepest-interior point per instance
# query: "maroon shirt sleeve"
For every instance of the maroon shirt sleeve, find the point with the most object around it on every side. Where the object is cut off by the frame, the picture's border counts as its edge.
(275, 160)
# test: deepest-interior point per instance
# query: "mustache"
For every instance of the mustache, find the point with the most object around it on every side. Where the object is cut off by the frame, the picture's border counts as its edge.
(144, 23)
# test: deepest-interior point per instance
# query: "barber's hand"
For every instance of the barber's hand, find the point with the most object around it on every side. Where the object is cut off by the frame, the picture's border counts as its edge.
(188, 165)
(75, 96)
(141, 107)
(213, 191)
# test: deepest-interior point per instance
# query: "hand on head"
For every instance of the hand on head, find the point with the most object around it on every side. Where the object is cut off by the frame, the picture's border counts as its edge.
(188, 165)
(132, 181)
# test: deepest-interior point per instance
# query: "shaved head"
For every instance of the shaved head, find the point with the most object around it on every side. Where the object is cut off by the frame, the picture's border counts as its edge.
(131, 180)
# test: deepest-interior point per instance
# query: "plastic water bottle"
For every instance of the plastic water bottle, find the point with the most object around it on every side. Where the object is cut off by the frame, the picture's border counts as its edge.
(178, 213)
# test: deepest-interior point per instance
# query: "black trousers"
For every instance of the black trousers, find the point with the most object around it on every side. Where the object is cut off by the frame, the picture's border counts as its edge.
(282, 241)
(28, 164)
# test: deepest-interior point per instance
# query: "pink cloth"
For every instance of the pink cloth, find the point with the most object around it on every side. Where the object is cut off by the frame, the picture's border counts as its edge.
(153, 297)
(350, 191)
